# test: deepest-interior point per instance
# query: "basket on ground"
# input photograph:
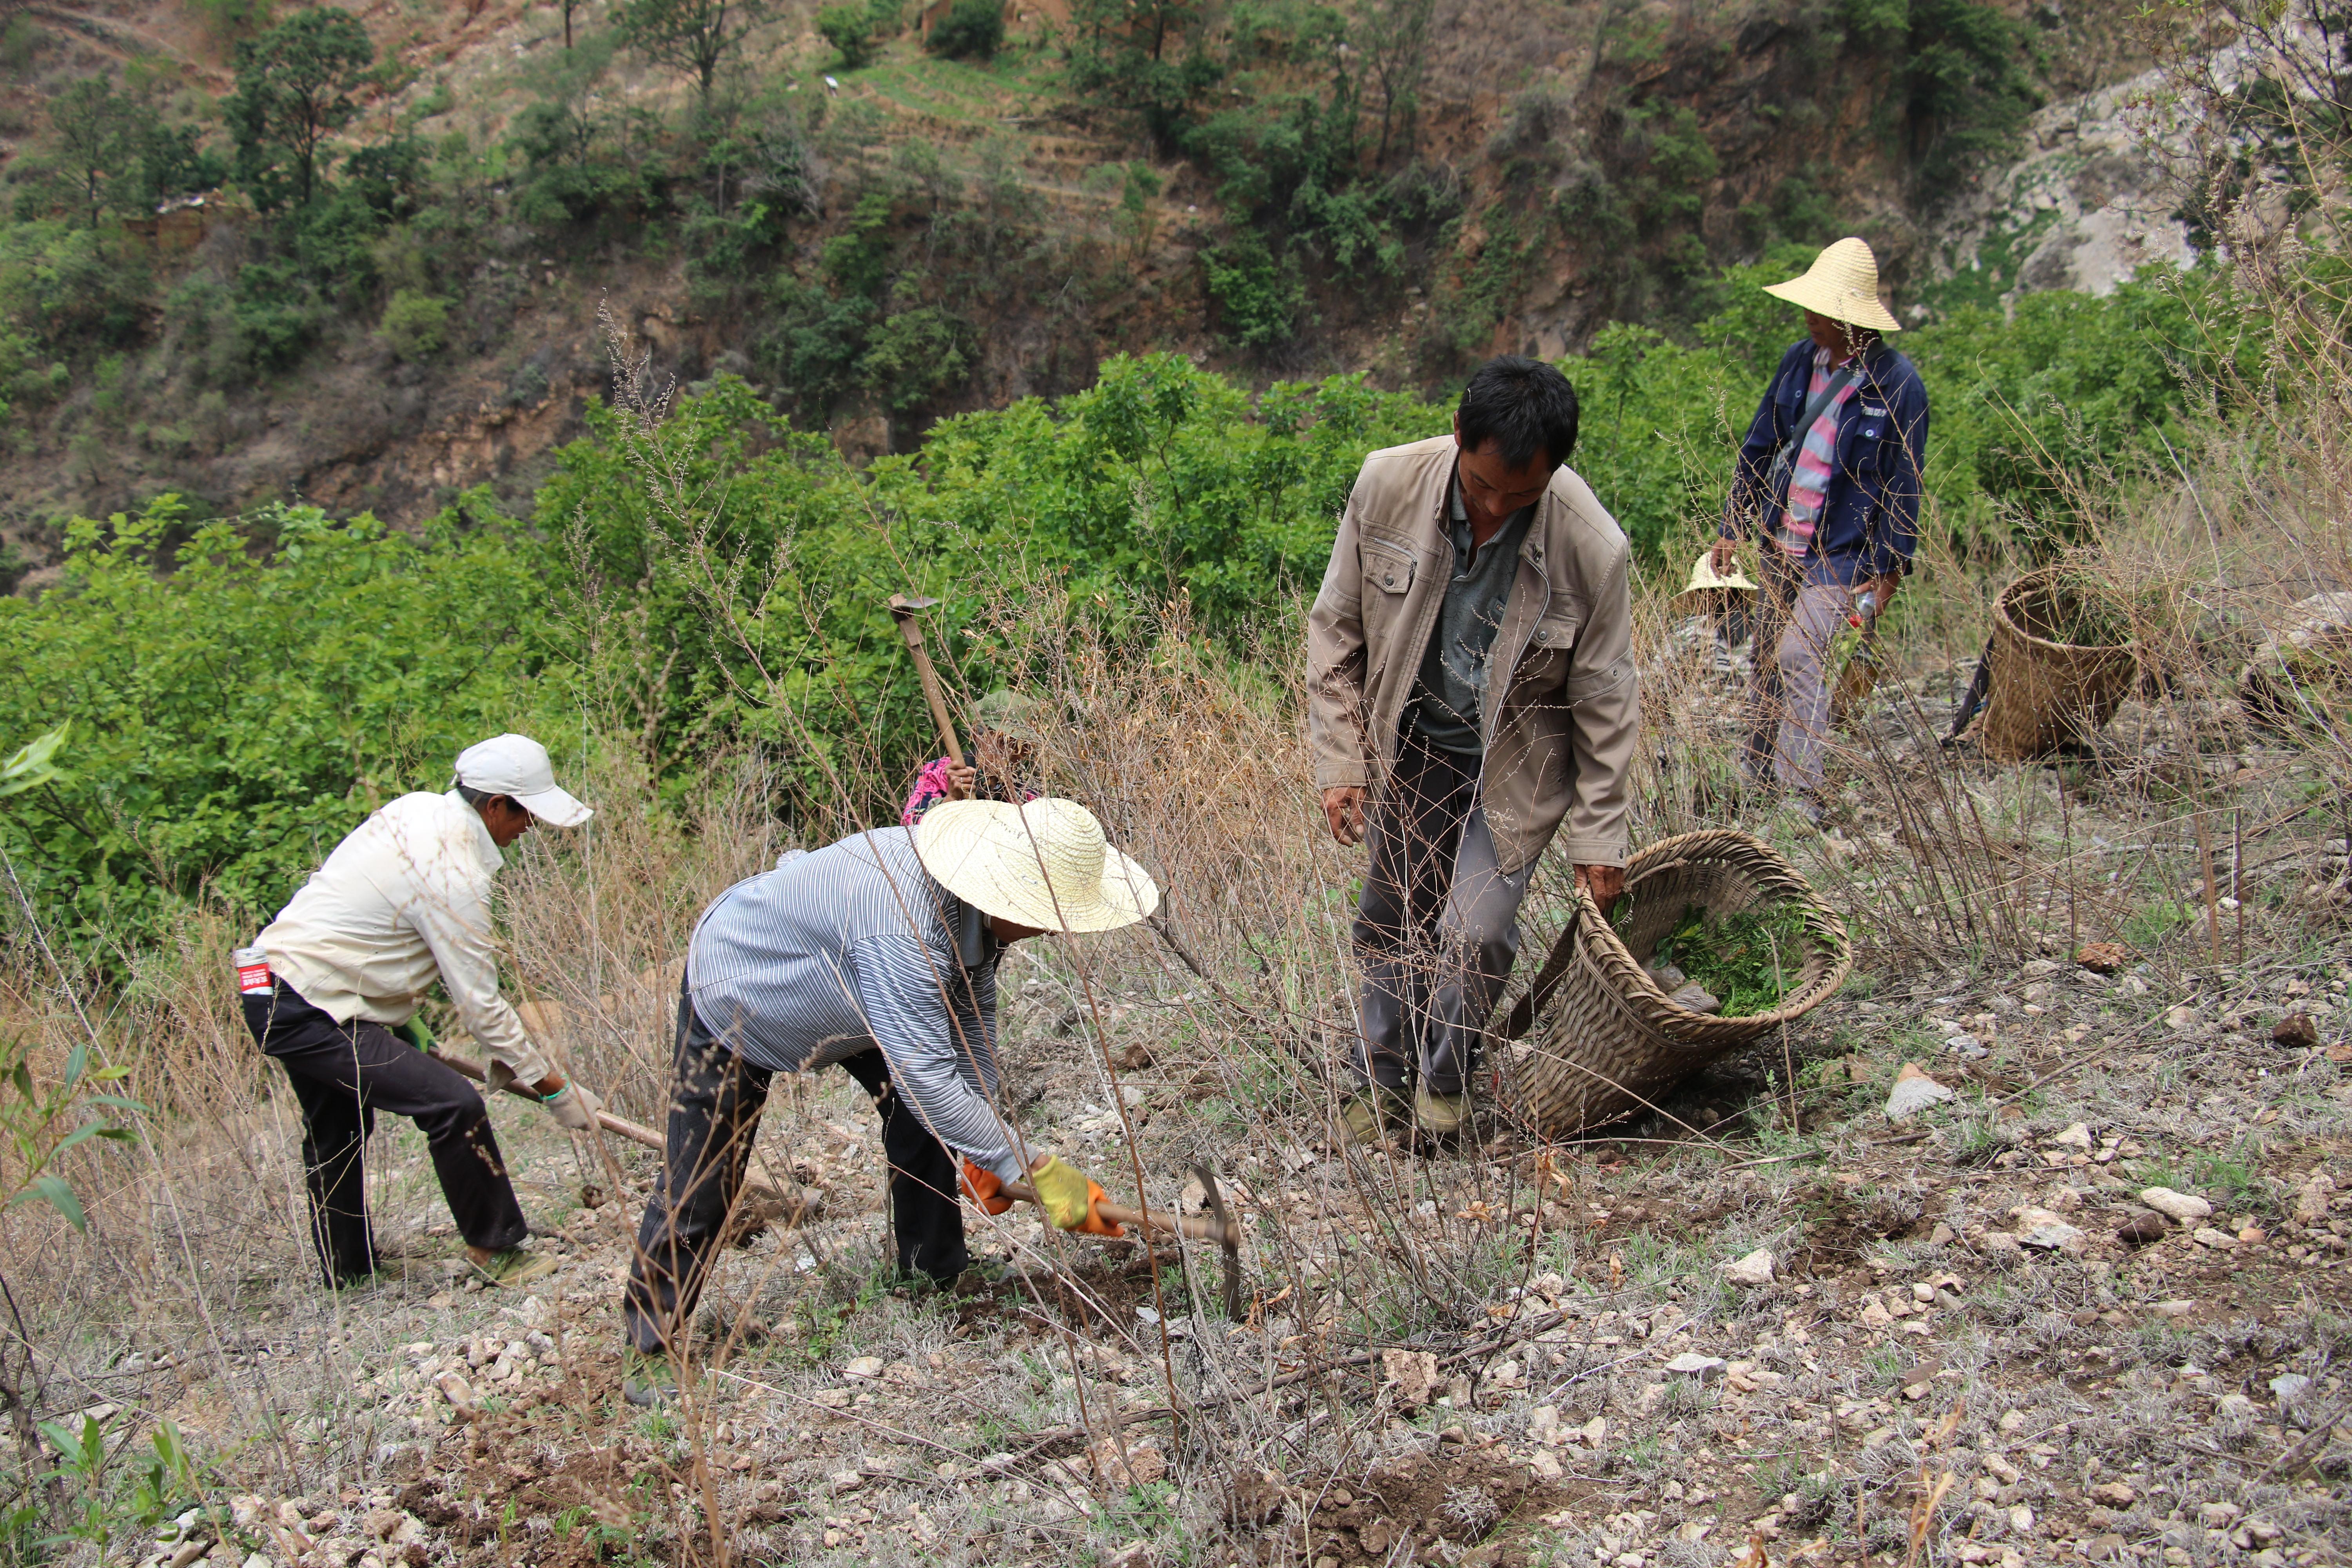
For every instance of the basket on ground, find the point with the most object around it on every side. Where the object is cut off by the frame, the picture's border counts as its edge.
(1605, 1040)
(2063, 659)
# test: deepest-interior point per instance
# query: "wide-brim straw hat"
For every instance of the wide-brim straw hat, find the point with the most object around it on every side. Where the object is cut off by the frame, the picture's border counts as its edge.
(1007, 713)
(1045, 864)
(1841, 284)
(1702, 580)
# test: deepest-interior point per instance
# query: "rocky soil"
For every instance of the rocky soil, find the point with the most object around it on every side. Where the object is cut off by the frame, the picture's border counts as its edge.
(2084, 1304)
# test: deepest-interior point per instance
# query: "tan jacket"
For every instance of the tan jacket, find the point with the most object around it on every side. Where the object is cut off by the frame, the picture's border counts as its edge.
(1560, 743)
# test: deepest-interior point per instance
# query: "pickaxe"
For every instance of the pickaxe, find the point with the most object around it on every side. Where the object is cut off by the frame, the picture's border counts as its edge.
(903, 610)
(1217, 1226)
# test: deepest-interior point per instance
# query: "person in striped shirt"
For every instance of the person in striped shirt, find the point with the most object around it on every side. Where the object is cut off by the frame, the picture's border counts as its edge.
(1829, 480)
(879, 954)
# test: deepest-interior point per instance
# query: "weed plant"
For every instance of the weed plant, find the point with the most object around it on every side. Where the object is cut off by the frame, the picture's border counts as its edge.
(1745, 959)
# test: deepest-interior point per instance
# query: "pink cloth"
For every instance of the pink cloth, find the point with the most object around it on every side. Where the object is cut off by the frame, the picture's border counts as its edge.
(931, 788)
(1808, 478)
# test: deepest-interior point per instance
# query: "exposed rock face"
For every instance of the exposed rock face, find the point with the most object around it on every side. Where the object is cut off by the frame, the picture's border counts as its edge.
(2084, 208)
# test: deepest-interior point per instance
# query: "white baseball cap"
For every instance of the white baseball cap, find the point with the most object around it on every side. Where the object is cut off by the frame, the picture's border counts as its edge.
(516, 766)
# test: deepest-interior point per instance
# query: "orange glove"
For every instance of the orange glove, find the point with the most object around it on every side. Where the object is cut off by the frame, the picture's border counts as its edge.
(985, 1188)
(1096, 1225)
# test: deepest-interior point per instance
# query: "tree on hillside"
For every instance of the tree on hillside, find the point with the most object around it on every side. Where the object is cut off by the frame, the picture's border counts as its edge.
(1394, 34)
(94, 145)
(1144, 57)
(568, 8)
(694, 37)
(293, 90)
(108, 150)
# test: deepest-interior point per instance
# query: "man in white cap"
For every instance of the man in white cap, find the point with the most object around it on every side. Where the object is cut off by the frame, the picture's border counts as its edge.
(877, 953)
(332, 988)
(1829, 480)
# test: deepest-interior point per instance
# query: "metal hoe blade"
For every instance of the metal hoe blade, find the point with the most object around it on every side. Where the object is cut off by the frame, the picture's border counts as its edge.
(1228, 1241)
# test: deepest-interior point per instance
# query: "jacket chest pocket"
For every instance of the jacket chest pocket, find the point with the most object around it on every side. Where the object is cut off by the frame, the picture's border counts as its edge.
(1550, 646)
(1388, 569)
(1558, 628)
(1873, 443)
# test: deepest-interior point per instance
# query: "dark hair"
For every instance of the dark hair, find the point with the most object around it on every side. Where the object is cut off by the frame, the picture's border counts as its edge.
(477, 798)
(1524, 405)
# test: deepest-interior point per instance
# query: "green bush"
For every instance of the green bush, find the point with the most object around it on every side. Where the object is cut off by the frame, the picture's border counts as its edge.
(242, 697)
(71, 290)
(973, 29)
(850, 30)
(416, 325)
(1255, 297)
(918, 354)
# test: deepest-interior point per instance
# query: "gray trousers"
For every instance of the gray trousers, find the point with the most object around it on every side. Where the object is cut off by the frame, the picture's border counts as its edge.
(1802, 607)
(1437, 926)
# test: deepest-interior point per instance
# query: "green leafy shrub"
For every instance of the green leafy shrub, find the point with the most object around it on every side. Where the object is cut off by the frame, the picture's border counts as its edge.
(416, 325)
(244, 691)
(850, 30)
(70, 290)
(1255, 297)
(973, 29)
(276, 314)
(917, 354)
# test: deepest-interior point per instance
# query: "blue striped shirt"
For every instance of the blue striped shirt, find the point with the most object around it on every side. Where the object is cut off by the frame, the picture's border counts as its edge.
(854, 947)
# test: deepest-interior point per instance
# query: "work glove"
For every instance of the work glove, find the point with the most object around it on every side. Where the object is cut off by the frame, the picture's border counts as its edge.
(572, 1106)
(985, 1188)
(1069, 1199)
(417, 1033)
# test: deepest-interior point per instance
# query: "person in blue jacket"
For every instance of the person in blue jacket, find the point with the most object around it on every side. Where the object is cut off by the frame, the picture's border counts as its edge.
(1829, 482)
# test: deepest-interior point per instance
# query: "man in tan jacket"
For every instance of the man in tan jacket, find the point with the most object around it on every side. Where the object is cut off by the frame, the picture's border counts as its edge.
(1470, 687)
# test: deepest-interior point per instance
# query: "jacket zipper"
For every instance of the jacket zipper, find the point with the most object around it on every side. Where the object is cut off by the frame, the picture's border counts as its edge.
(1486, 739)
(1428, 624)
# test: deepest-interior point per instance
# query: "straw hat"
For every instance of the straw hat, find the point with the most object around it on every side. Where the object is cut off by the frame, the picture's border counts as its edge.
(1841, 284)
(1007, 713)
(1704, 580)
(1044, 864)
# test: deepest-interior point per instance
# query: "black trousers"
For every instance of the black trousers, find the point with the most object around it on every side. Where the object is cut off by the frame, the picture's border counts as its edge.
(1436, 927)
(715, 1098)
(343, 1074)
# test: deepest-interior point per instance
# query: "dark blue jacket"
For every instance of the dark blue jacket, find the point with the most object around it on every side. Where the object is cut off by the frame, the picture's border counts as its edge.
(1870, 518)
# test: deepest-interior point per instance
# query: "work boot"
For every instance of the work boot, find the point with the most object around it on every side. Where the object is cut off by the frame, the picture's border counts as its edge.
(1370, 1115)
(1440, 1115)
(647, 1379)
(513, 1267)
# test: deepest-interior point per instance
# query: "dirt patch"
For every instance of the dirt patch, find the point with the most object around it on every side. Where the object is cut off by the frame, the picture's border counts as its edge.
(1430, 1508)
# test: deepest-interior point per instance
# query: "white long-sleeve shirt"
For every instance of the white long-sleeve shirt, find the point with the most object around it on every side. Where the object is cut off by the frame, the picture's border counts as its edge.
(404, 899)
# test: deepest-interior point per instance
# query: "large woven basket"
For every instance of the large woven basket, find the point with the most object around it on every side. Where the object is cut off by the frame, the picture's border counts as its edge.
(1605, 1041)
(2048, 694)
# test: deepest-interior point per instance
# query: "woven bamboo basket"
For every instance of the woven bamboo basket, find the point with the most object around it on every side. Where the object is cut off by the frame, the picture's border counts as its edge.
(2048, 694)
(1605, 1041)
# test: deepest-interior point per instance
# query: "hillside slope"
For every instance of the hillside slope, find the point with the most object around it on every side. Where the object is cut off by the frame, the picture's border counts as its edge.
(882, 245)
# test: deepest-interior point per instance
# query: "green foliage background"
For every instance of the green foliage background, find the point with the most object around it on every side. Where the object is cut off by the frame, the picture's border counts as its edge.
(242, 691)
